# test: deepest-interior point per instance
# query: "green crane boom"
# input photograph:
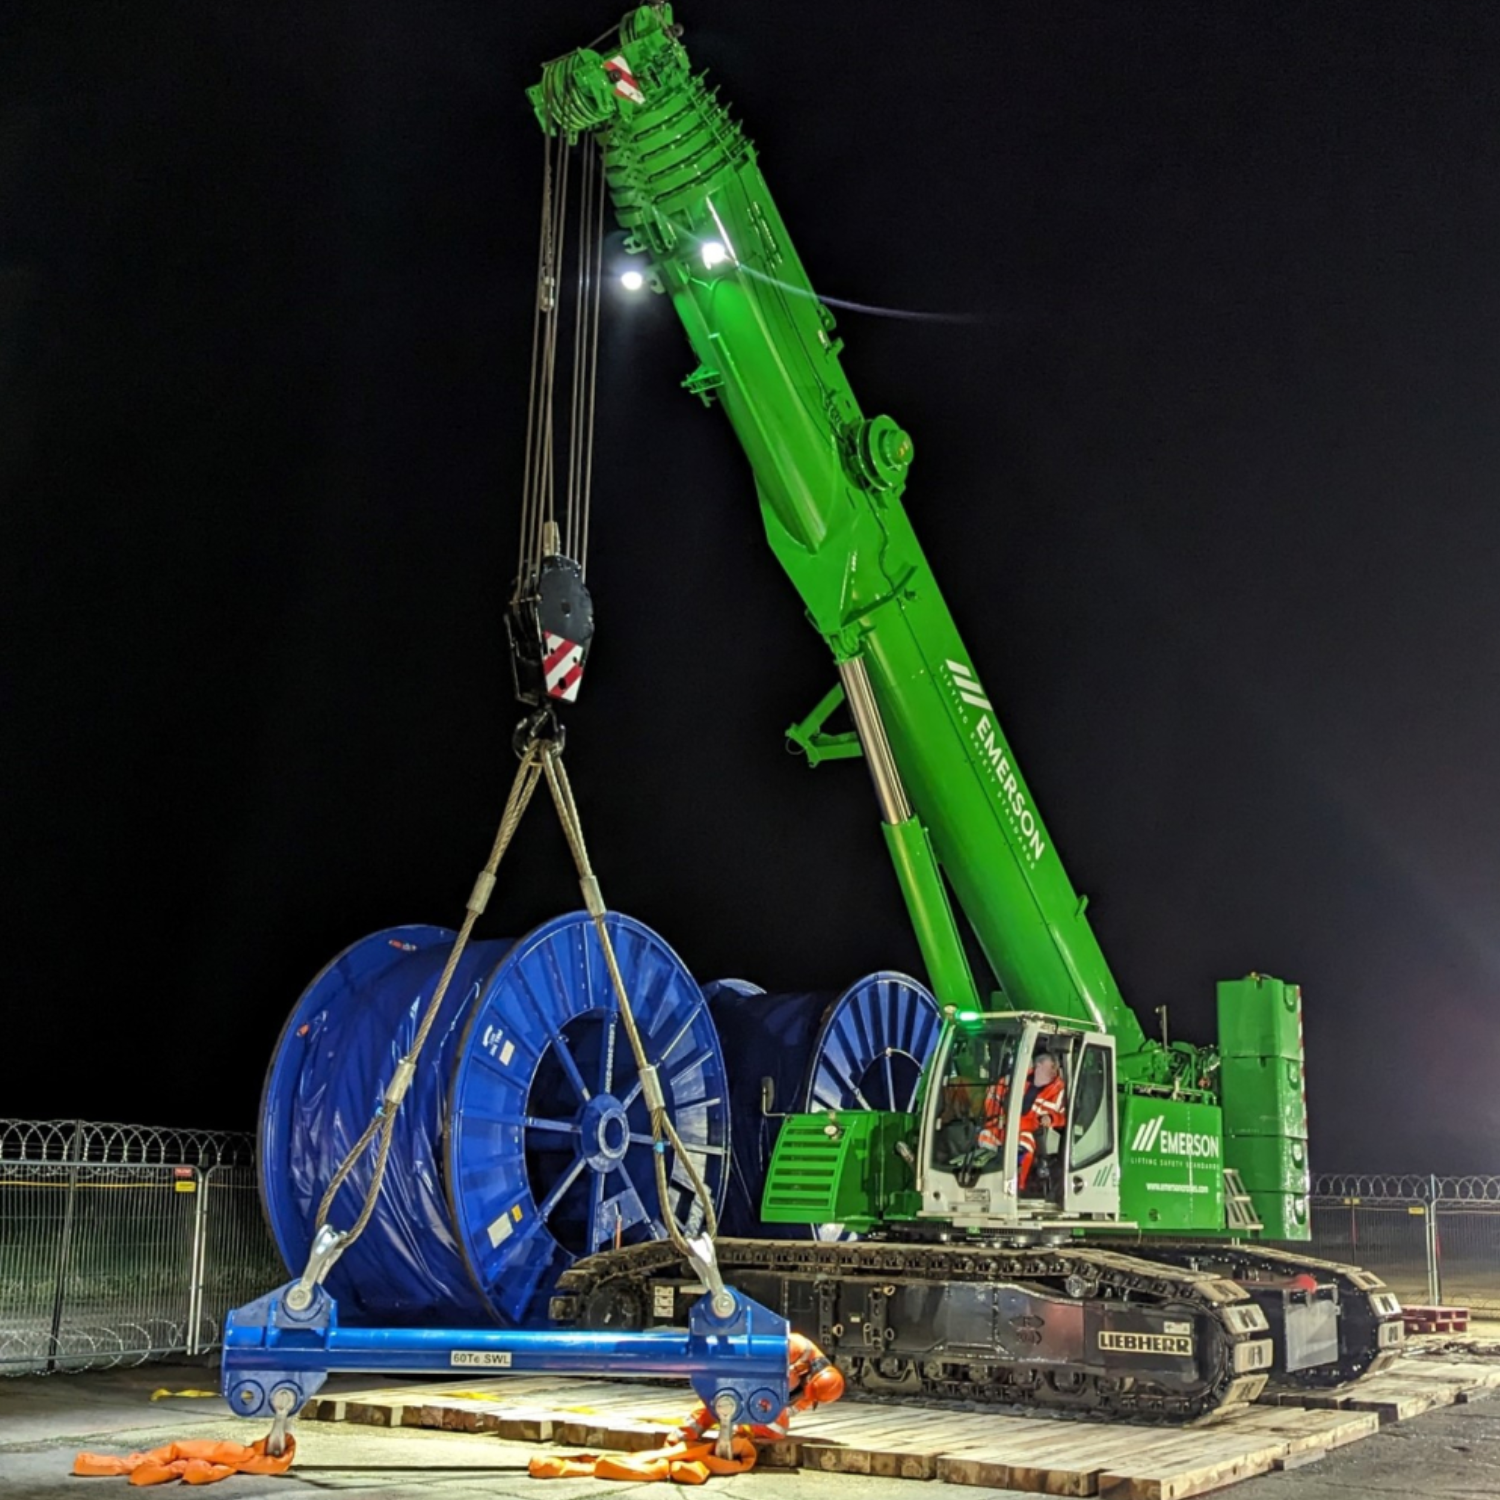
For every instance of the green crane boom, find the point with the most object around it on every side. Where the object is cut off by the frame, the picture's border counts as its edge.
(686, 184)
(1190, 1152)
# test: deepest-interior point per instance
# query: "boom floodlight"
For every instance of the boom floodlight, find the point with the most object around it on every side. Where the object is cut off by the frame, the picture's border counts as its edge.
(632, 280)
(714, 253)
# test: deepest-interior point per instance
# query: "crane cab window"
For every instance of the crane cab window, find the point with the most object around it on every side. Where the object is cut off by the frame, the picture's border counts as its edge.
(978, 1063)
(1091, 1128)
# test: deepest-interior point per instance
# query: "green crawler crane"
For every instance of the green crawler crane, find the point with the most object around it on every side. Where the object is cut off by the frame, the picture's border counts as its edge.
(1120, 1263)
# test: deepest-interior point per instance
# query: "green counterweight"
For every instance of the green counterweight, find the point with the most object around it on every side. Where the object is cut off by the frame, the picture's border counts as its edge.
(686, 184)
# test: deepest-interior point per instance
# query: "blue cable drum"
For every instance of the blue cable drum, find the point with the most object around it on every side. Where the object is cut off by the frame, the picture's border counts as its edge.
(874, 1042)
(862, 1049)
(766, 1036)
(523, 1141)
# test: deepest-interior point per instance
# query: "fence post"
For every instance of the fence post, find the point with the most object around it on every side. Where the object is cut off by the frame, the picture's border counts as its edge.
(65, 1246)
(1434, 1263)
(200, 1247)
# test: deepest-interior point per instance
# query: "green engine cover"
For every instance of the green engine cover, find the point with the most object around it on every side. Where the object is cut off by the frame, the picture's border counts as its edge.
(842, 1169)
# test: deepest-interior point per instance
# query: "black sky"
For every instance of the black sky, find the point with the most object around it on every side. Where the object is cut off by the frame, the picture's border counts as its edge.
(1209, 482)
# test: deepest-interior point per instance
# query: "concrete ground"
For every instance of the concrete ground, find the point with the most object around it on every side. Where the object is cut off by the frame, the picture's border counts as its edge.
(1450, 1454)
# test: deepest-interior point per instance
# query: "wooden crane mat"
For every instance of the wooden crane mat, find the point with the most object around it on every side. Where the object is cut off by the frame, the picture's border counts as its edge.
(1416, 1384)
(1042, 1455)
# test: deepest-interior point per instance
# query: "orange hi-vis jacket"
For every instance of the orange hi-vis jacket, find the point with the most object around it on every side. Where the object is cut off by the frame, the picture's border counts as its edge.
(1041, 1108)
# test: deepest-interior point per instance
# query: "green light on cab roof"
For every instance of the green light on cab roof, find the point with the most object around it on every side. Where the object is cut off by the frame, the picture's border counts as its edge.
(969, 1015)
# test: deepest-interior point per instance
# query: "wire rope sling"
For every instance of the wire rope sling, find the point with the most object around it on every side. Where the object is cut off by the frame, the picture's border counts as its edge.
(448, 1122)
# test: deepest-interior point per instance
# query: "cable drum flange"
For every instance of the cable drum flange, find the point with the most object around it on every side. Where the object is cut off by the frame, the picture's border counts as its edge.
(523, 1142)
(549, 1146)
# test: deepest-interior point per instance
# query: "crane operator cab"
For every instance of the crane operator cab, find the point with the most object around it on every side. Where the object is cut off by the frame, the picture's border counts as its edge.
(1020, 1122)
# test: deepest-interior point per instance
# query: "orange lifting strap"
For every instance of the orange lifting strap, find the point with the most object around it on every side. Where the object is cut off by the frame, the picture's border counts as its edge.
(682, 1463)
(197, 1461)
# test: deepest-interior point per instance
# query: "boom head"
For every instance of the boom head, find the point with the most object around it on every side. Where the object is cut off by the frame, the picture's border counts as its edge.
(588, 90)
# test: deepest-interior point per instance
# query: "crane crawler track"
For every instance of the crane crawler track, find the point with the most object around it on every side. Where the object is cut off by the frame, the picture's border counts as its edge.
(1066, 1328)
(1372, 1331)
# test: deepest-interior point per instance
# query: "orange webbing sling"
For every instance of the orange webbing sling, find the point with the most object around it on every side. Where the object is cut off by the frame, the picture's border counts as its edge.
(196, 1461)
(682, 1463)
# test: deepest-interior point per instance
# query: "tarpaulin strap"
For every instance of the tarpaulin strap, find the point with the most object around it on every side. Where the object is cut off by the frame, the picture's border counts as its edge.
(682, 1463)
(194, 1461)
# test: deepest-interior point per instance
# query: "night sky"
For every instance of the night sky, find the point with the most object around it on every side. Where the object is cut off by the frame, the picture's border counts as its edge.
(1207, 473)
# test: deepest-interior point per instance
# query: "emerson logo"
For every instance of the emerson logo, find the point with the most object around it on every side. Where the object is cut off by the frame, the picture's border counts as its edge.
(1149, 1136)
(1023, 819)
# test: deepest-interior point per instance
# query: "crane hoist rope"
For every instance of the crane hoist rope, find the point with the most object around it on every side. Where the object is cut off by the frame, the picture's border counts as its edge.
(539, 487)
(550, 625)
(550, 621)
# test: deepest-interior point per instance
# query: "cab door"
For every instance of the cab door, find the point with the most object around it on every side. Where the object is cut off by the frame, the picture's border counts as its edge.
(1091, 1150)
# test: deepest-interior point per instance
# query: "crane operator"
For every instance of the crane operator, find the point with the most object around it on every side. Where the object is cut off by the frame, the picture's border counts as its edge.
(1043, 1107)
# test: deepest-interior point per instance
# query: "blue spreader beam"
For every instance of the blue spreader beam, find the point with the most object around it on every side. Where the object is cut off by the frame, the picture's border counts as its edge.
(276, 1359)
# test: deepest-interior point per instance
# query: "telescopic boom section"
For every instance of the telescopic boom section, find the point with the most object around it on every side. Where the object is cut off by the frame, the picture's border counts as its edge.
(686, 184)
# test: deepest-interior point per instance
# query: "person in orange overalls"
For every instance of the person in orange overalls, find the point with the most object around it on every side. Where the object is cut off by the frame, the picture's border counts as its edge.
(812, 1379)
(1042, 1107)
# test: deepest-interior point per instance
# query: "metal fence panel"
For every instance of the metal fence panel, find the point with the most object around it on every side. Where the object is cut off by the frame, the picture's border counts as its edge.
(239, 1261)
(121, 1243)
(34, 1198)
(1448, 1250)
(1386, 1237)
(125, 1263)
(1468, 1256)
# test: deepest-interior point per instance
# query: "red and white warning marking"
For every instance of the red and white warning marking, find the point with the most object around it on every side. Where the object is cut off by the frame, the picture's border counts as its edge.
(563, 664)
(625, 83)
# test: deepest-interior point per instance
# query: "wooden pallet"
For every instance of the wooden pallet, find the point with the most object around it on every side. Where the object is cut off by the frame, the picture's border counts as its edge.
(1415, 1384)
(1039, 1455)
(1436, 1319)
